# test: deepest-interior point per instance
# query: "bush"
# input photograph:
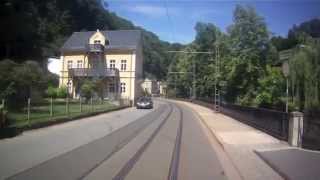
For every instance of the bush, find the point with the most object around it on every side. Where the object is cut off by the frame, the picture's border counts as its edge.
(3, 114)
(87, 89)
(62, 92)
(52, 92)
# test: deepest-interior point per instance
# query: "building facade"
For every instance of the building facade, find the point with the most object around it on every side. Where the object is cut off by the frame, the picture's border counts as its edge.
(150, 86)
(113, 59)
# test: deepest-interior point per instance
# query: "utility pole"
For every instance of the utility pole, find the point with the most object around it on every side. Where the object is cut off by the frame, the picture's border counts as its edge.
(194, 91)
(175, 86)
(217, 72)
(194, 80)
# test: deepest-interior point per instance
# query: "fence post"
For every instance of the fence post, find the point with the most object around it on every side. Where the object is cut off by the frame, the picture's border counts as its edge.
(67, 106)
(2, 119)
(91, 104)
(28, 111)
(295, 129)
(51, 107)
(80, 104)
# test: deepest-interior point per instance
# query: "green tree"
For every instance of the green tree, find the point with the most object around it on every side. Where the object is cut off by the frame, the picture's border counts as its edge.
(62, 92)
(271, 89)
(249, 47)
(21, 81)
(51, 92)
(305, 76)
(87, 89)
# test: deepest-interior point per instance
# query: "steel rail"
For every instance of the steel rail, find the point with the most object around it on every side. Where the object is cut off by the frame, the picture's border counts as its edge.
(174, 166)
(161, 110)
(124, 171)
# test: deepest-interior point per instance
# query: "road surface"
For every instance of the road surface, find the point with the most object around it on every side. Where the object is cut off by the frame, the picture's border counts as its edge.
(168, 142)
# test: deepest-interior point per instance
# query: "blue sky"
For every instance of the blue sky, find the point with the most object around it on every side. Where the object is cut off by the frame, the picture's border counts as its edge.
(280, 15)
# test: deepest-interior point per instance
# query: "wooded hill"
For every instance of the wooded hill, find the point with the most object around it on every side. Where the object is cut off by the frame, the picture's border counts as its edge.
(36, 29)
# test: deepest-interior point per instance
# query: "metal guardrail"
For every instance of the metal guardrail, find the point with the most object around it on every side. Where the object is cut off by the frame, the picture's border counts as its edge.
(275, 123)
(311, 131)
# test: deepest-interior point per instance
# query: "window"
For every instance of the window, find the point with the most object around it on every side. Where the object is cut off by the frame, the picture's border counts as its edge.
(122, 87)
(79, 64)
(111, 87)
(112, 64)
(123, 65)
(97, 42)
(69, 64)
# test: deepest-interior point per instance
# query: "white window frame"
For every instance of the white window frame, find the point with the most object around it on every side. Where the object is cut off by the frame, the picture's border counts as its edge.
(122, 87)
(96, 42)
(112, 64)
(79, 64)
(123, 66)
(112, 87)
(69, 64)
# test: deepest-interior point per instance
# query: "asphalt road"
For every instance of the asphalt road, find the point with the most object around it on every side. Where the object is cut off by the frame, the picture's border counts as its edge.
(167, 142)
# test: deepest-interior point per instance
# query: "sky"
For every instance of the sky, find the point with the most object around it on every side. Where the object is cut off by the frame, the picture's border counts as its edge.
(174, 20)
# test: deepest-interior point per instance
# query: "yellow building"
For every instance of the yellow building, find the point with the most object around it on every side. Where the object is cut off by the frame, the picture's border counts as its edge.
(114, 58)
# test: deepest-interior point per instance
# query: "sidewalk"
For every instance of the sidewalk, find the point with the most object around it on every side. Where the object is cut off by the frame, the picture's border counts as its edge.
(240, 142)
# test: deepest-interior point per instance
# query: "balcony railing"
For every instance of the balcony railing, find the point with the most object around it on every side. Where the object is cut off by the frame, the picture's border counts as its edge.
(95, 48)
(90, 72)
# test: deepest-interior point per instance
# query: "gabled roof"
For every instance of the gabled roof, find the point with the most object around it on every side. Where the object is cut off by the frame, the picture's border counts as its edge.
(118, 39)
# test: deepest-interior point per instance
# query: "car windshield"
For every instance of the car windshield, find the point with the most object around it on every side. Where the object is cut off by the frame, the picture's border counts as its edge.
(144, 99)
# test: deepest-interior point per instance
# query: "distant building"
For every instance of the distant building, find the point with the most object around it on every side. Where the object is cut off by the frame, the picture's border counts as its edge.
(150, 86)
(115, 57)
(163, 89)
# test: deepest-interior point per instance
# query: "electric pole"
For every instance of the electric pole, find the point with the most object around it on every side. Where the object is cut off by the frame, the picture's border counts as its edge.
(194, 80)
(217, 72)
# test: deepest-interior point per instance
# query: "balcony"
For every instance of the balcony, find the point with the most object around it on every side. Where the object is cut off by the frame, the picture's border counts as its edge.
(89, 72)
(95, 48)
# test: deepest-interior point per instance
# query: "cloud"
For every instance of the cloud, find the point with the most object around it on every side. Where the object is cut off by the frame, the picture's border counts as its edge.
(153, 10)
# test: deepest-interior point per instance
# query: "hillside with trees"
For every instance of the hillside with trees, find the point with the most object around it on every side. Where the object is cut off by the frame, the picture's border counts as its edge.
(34, 30)
(249, 63)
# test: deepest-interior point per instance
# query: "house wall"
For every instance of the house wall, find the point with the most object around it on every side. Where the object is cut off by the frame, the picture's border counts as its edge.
(131, 76)
(74, 57)
(126, 76)
(97, 36)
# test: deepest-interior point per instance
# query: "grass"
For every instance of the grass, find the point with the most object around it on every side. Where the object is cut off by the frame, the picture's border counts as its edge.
(41, 112)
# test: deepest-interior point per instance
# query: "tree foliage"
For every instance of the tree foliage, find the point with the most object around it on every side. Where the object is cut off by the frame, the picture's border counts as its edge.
(305, 75)
(36, 29)
(21, 81)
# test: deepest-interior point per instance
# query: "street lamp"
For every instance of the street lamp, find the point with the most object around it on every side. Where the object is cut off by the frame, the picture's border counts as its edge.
(285, 70)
